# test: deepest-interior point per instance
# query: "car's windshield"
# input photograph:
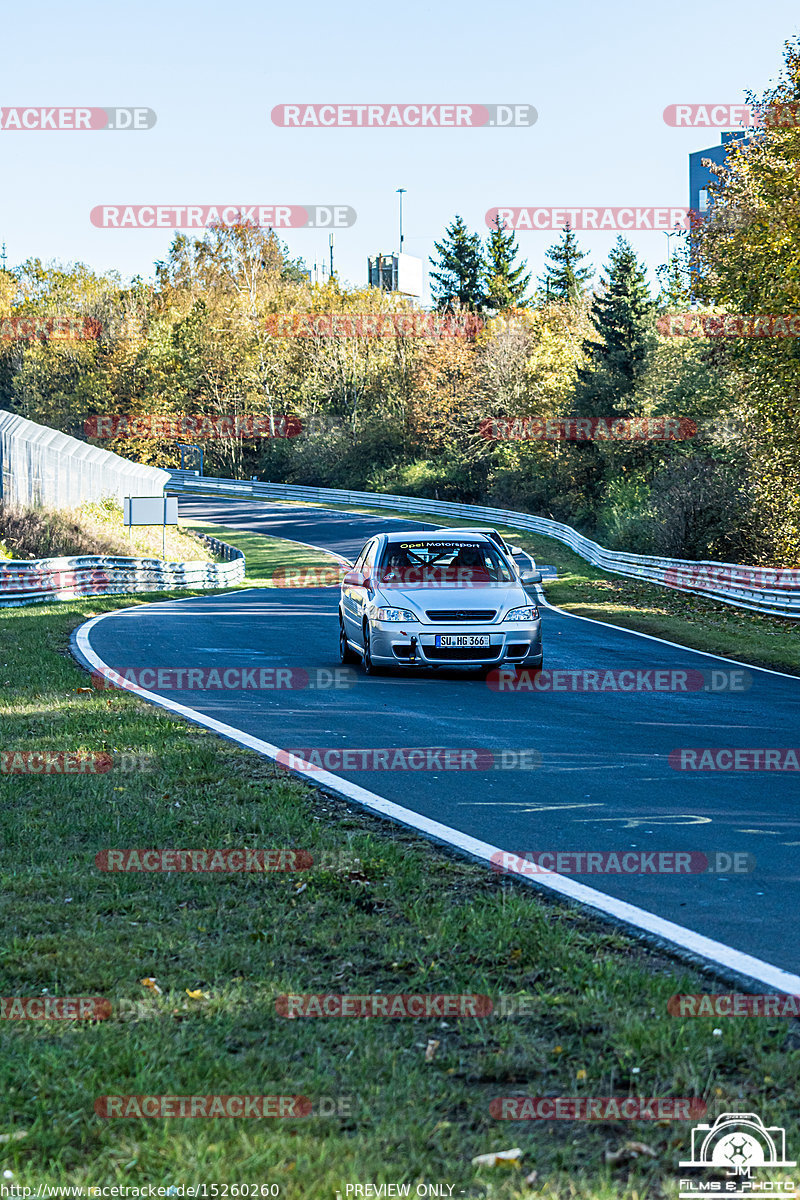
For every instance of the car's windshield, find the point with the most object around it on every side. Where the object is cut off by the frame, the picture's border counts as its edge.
(443, 562)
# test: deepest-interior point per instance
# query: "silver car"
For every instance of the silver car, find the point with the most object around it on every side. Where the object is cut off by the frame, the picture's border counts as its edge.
(432, 599)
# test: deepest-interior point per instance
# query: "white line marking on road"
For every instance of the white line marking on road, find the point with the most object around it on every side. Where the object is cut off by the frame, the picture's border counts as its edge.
(664, 641)
(521, 803)
(629, 914)
(632, 822)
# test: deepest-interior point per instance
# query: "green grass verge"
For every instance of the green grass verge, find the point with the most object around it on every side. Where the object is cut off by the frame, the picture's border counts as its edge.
(268, 558)
(694, 621)
(405, 917)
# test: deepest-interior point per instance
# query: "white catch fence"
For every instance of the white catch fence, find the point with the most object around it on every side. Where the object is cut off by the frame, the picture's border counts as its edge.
(40, 466)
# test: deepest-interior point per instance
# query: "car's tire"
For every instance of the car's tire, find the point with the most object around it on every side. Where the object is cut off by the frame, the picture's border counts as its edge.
(366, 658)
(346, 653)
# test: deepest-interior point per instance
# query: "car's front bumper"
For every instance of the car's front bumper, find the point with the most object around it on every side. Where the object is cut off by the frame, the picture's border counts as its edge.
(414, 645)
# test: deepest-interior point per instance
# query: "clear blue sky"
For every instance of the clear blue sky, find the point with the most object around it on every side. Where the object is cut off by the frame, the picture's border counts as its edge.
(600, 76)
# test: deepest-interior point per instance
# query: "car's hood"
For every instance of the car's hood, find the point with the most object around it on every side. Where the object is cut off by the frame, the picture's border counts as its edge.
(499, 597)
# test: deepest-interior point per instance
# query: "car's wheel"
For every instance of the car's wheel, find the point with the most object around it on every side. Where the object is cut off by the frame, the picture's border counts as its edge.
(369, 665)
(346, 653)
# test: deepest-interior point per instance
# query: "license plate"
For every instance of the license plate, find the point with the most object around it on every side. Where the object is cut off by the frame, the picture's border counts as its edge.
(463, 640)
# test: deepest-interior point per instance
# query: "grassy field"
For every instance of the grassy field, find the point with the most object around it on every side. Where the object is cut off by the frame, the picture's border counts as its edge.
(383, 911)
(662, 612)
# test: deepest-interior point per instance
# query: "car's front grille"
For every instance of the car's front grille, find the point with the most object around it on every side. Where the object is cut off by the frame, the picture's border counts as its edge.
(460, 614)
(486, 654)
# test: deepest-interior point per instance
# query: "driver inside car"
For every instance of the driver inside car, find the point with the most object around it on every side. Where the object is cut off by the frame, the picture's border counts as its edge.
(469, 565)
(397, 567)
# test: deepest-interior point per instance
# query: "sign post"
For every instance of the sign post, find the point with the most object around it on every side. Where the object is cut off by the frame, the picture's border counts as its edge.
(152, 510)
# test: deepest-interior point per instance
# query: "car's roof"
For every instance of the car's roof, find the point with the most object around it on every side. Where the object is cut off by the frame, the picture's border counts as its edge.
(468, 529)
(432, 535)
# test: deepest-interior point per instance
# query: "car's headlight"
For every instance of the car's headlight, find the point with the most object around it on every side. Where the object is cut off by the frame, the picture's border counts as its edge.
(395, 614)
(531, 613)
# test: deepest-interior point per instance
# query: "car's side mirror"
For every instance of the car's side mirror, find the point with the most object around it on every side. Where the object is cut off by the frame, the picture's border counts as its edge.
(354, 579)
(517, 550)
(530, 576)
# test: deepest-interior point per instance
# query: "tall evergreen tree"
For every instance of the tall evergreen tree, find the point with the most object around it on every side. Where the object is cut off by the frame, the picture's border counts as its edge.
(564, 278)
(674, 279)
(457, 280)
(506, 284)
(622, 314)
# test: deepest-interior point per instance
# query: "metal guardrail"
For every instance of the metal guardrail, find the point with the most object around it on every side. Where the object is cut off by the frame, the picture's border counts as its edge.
(770, 590)
(48, 579)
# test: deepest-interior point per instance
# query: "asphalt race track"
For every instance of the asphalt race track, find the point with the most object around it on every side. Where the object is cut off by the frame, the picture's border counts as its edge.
(604, 782)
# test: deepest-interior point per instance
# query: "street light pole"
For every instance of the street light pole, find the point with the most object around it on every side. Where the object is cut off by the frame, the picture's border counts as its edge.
(669, 244)
(401, 192)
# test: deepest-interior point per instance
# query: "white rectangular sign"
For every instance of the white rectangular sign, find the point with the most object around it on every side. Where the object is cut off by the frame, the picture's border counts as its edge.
(151, 510)
(409, 275)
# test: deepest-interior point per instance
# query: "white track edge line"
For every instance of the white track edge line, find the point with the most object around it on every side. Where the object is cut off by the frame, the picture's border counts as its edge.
(712, 951)
(651, 637)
